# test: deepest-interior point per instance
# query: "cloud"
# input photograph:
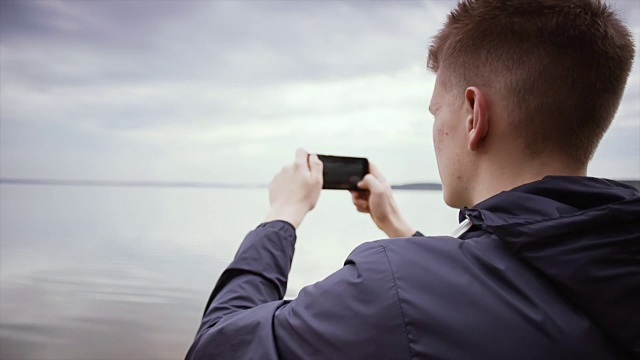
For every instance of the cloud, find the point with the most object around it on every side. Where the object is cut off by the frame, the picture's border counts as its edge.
(349, 117)
(230, 42)
(226, 90)
(96, 89)
(180, 63)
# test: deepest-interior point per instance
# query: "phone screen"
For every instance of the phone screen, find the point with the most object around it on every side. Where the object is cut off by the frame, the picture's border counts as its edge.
(343, 173)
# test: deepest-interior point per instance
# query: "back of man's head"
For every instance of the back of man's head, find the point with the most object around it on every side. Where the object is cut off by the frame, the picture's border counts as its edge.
(559, 67)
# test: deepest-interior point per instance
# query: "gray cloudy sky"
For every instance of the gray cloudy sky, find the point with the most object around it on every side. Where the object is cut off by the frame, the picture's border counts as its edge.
(224, 91)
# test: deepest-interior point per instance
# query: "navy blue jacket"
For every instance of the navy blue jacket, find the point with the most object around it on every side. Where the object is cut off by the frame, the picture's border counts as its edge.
(549, 270)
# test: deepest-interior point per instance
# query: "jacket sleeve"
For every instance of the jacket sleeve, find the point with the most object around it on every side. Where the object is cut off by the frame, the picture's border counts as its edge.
(353, 313)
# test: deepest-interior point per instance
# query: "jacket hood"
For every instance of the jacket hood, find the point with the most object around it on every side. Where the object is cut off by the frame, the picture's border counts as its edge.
(583, 234)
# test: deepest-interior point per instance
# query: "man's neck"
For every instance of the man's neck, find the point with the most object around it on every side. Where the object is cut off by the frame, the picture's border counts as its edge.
(495, 178)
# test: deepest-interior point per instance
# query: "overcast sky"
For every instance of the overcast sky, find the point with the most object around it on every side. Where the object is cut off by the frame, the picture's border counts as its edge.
(225, 91)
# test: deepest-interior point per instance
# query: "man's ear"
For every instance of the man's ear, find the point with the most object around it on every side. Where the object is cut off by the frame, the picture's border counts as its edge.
(478, 117)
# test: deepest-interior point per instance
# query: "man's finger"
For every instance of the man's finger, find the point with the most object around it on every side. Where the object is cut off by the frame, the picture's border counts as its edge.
(358, 196)
(361, 204)
(315, 165)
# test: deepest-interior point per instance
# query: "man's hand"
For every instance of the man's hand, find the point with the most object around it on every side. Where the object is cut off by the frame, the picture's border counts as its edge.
(378, 202)
(295, 190)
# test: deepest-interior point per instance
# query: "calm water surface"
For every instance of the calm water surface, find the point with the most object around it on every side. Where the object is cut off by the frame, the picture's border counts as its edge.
(124, 273)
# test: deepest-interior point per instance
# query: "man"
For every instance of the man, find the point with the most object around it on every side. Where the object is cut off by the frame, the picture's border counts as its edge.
(547, 264)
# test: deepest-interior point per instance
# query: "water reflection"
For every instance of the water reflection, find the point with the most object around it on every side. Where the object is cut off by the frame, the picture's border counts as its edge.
(101, 273)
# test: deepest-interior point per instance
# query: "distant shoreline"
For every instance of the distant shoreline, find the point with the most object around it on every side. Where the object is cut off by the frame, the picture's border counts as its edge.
(191, 184)
(418, 186)
(634, 183)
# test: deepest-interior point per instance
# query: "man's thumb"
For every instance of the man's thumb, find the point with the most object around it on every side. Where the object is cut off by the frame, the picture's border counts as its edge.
(369, 182)
(315, 165)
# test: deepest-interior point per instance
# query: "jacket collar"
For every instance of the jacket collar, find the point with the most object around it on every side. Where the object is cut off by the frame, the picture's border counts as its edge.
(583, 235)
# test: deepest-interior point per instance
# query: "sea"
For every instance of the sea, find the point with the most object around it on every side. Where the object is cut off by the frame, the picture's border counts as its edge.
(117, 272)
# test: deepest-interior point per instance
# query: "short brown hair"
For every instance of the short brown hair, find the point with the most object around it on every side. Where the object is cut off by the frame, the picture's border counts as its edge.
(560, 66)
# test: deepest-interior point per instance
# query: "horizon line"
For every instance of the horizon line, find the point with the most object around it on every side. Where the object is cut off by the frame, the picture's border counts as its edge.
(204, 184)
(125, 183)
(150, 183)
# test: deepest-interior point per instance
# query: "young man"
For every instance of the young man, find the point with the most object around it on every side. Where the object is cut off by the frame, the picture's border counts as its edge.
(547, 265)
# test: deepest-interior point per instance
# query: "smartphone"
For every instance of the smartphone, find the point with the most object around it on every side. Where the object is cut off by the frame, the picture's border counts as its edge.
(343, 173)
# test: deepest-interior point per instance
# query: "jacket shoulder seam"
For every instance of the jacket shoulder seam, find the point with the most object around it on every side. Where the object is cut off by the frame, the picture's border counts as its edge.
(404, 318)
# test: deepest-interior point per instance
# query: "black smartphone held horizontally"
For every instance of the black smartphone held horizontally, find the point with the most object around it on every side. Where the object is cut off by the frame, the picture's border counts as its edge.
(343, 173)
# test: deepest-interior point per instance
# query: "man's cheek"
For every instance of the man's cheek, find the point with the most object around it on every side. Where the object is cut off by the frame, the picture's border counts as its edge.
(439, 136)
